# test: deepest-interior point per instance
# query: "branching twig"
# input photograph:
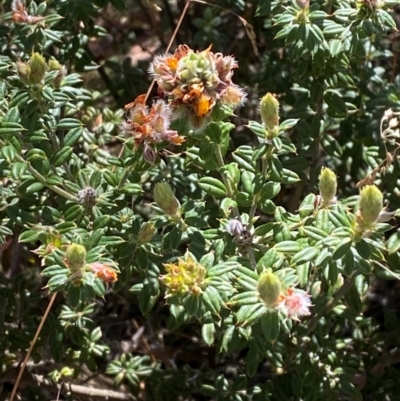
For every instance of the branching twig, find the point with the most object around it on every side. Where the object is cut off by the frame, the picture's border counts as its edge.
(41, 381)
(28, 355)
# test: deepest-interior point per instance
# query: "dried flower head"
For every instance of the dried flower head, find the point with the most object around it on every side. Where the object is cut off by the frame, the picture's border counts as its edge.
(149, 126)
(87, 196)
(104, 272)
(195, 82)
(20, 14)
(185, 277)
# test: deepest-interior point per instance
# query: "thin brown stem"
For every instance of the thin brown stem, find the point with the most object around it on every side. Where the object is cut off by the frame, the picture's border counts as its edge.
(28, 355)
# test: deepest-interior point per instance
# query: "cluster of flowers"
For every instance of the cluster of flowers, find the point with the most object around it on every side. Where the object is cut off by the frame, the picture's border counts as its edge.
(192, 84)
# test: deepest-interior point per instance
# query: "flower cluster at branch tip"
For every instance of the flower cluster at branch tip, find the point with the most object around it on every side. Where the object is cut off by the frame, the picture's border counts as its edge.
(195, 82)
(185, 277)
(149, 126)
(293, 302)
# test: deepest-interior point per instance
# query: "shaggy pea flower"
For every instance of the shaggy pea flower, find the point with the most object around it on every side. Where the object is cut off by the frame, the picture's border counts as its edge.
(104, 272)
(296, 303)
(185, 277)
(149, 126)
(195, 82)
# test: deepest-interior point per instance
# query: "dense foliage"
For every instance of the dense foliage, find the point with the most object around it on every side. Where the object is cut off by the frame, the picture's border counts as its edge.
(229, 234)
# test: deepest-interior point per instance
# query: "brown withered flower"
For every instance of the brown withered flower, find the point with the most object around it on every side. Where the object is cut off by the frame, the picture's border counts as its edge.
(20, 14)
(195, 82)
(149, 126)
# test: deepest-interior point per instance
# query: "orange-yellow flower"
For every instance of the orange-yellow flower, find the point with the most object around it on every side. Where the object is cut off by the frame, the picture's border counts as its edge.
(104, 272)
(195, 82)
(149, 126)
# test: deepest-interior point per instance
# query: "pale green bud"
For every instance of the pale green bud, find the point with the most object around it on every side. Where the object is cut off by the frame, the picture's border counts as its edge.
(146, 233)
(23, 72)
(38, 67)
(327, 186)
(269, 110)
(370, 205)
(75, 256)
(269, 288)
(54, 65)
(165, 199)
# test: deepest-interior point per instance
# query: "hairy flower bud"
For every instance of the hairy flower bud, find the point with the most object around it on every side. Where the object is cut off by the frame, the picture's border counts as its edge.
(370, 205)
(327, 186)
(75, 256)
(303, 4)
(166, 200)
(38, 67)
(269, 110)
(146, 233)
(23, 72)
(269, 288)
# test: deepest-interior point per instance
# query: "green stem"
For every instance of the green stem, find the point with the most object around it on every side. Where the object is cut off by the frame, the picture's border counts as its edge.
(256, 197)
(42, 179)
(227, 183)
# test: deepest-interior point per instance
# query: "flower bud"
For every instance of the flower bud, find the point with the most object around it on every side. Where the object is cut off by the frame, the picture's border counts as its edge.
(165, 199)
(269, 110)
(54, 65)
(38, 68)
(75, 256)
(303, 4)
(23, 72)
(370, 206)
(269, 288)
(146, 233)
(327, 186)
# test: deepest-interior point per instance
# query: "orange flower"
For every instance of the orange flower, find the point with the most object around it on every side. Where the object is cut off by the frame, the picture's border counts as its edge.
(104, 272)
(195, 82)
(149, 126)
(20, 14)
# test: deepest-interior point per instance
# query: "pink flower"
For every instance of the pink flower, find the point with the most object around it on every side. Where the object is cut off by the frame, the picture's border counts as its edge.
(296, 303)
(104, 272)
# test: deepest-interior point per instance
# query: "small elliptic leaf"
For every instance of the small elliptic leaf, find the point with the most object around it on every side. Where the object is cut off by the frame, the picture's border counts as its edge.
(62, 156)
(208, 333)
(69, 123)
(341, 248)
(270, 326)
(212, 186)
(29, 236)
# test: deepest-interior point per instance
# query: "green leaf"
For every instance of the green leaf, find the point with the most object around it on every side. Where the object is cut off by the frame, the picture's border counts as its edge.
(305, 255)
(212, 186)
(29, 236)
(69, 123)
(62, 156)
(208, 333)
(288, 247)
(342, 248)
(72, 136)
(393, 243)
(270, 326)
